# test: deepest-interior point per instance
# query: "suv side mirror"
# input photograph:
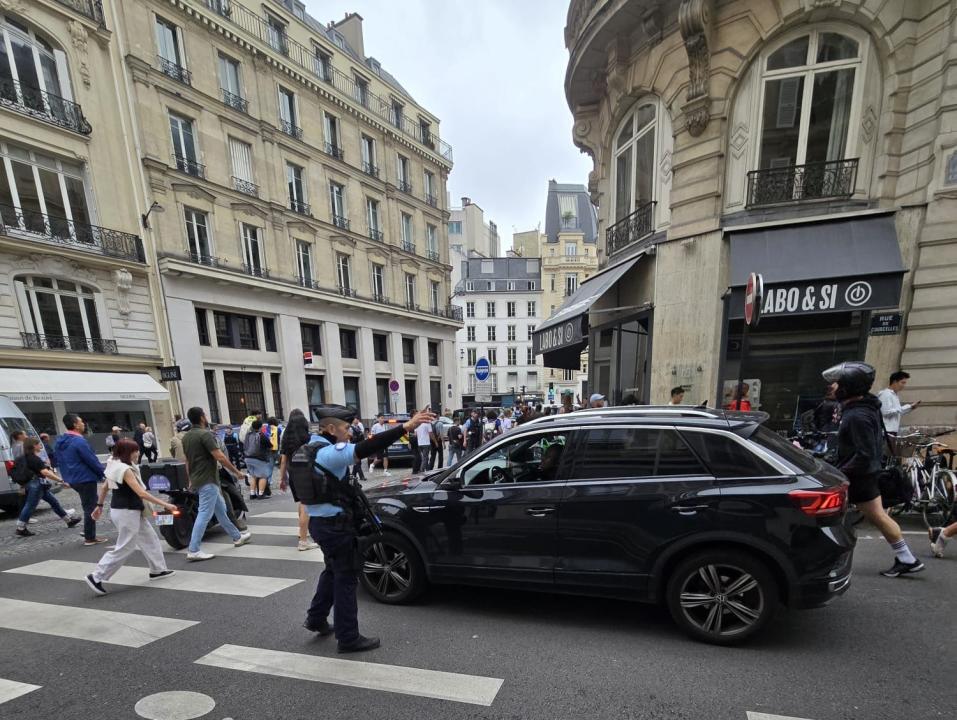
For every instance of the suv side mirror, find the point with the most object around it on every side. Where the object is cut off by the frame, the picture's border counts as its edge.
(453, 482)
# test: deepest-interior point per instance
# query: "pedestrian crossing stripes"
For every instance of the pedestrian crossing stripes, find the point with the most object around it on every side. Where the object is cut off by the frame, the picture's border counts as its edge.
(472, 689)
(261, 552)
(283, 530)
(189, 581)
(102, 626)
(10, 689)
(278, 515)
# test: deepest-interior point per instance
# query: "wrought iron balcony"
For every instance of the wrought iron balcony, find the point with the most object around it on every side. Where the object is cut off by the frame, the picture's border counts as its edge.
(244, 186)
(376, 235)
(454, 312)
(629, 229)
(370, 169)
(347, 291)
(298, 206)
(333, 150)
(190, 167)
(405, 186)
(291, 129)
(409, 305)
(174, 70)
(18, 223)
(235, 101)
(259, 271)
(813, 181)
(408, 246)
(206, 259)
(340, 222)
(43, 106)
(220, 6)
(308, 283)
(431, 200)
(74, 343)
(93, 9)
(380, 298)
(433, 255)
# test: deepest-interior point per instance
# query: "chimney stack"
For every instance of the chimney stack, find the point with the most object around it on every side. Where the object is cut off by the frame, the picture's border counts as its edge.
(351, 29)
(466, 201)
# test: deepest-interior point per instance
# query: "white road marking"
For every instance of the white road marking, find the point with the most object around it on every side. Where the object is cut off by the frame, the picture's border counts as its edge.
(188, 580)
(10, 689)
(259, 552)
(103, 626)
(765, 716)
(174, 705)
(278, 515)
(472, 689)
(283, 530)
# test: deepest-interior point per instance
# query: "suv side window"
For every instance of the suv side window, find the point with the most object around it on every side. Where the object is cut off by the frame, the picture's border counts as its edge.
(610, 453)
(726, 457)
(533, 458)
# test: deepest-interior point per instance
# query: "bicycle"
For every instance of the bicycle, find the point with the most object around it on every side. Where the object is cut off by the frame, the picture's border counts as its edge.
(933, 483)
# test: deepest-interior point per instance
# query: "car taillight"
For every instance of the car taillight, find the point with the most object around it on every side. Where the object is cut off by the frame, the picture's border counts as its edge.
(8, 464)
(817, 503)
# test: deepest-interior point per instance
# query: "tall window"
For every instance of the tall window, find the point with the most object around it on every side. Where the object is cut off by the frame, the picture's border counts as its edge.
(330, 124)
(197, 236)
(529, 360)
(571, 249)
(808, 97)
(511, 355)
(492, 356)
(252, 250)
(36, 67)
(378, 281)
(184, 143)
(323, 65)
(408, 238)
(403, 173)
(347, 343)
(209, 376)
(432, 242)
(304, 262)
(635, 160)
(337, 200)
(470, 309)
(362, 91)
(470, 333)
(571, 283)
(455, 227)
(433, 296)
(202, 326)
(311, 338)
(288, 117)
(510, 331)
(490, 309)
(244, 392)
(568, 211)
(343, 272)
(62, 313)
(568, 375)
(490, 333)
(296, 186)
(471, 357)
(370, 165)
(532, 310)
(511, 308)
(428, 180)
(531, 332)
(380, 352)
(168, 45)
(241, 155)
(397, 113)
(229, 83)
(410, 290)
(372, 213)
(276, 34)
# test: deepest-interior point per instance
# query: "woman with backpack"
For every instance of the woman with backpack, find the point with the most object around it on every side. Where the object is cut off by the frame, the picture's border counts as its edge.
(295, 436)
(258, 450)
(34, 476)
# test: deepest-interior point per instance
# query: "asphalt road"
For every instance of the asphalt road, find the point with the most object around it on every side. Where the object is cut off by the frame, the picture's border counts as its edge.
(882, 652)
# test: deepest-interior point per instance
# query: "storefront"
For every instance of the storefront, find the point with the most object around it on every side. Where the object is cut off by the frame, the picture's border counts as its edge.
(102, 399)
(822, 283)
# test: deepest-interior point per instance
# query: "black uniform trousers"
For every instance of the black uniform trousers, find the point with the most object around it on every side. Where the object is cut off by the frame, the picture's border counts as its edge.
(336, 589)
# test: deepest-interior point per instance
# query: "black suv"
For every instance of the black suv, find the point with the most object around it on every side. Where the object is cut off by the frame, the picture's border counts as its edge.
(707, 511)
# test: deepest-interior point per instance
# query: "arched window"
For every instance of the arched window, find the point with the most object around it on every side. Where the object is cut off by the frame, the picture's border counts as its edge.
(809, 98)
(60, 315)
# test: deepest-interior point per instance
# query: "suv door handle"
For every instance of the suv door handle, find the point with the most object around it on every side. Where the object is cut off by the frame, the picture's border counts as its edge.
(689, 509)
(539, 511)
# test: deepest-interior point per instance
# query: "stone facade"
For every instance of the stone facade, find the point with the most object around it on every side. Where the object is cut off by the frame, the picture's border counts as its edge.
(707, 67)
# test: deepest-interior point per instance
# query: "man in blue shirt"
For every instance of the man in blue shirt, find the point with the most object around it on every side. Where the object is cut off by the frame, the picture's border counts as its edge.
(334, 527)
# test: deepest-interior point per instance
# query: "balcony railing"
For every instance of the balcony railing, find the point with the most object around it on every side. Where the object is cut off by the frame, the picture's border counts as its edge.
(376, 235)
(256, 26)
(308, 283)
(370, 169)
(201, 258)
(340, 222)
(298, 206)
(433, 255)
(409, 305)
(174, 70)
(291, 129)
(404, 186)
(380, 298)
(408, 246)
(93, 9)
(43, 106)
(16, 222)
(629, 229)
(431, 200)
(333, 150)
(259, 271)
(74, 343)
(347, 291)
(571, 223)
(235, 101)
(813, 181)
(244, 186)
(190, 167)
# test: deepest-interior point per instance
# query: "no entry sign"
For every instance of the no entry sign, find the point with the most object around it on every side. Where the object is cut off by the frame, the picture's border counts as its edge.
(753, 299)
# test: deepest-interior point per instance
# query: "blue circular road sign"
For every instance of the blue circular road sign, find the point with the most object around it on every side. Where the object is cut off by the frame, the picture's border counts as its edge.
(482, 369)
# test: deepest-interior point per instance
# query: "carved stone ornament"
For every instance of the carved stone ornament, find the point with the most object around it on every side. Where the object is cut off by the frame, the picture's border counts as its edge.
(123, 280)
(694, 22)
(651, 23)
(815, 4)
(79, 37)
(54, 266)
(593, 192)
(13, 6)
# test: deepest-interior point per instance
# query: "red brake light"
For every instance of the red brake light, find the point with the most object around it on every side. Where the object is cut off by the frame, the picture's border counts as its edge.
(9, 465)
(817, 503)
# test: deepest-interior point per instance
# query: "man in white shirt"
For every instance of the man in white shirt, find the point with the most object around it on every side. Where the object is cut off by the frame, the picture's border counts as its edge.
(423, 439)
(891, 408)
(677, 395)
(377, 427)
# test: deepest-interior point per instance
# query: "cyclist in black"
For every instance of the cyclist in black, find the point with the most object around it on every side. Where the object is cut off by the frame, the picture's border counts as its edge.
(860, 450)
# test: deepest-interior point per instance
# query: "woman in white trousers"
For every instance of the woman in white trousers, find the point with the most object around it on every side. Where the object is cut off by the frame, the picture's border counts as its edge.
(130, 515)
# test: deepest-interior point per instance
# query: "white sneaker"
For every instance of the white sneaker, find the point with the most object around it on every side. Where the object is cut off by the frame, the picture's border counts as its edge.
(200, 555)
(387, 473)
(243, 539)
(32, 521)
(307, 545)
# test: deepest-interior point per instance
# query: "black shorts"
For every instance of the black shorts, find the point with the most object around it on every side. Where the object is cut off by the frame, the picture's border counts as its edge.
(863, 489)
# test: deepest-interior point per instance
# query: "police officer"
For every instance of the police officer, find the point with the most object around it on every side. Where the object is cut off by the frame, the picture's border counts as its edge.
(333, 524)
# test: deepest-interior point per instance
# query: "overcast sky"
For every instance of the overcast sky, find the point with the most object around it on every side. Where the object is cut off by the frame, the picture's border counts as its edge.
(493, 73)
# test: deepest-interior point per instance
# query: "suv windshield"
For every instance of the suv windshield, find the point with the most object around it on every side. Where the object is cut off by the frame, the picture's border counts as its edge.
(778, 445)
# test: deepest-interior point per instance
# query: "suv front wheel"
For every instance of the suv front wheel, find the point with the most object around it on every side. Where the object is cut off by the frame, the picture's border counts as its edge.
(721, 596)
(391, 569)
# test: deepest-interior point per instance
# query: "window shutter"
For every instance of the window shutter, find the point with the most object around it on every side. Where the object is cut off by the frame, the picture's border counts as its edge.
(242, 159)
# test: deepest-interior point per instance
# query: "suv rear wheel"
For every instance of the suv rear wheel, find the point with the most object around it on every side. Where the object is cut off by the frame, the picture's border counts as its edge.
(721, 596)
(392, 571)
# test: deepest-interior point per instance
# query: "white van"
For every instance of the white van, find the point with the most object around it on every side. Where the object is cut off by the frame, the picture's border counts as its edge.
(11, 418)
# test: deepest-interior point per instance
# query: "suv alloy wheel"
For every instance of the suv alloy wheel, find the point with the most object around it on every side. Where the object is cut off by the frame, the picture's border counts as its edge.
(392, 571)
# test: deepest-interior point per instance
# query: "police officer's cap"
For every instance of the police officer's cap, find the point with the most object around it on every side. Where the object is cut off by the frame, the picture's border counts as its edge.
(335, 412)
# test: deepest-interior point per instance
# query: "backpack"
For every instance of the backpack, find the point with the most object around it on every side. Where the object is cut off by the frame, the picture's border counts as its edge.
(256, 446)
(20, 473)
(357, 435)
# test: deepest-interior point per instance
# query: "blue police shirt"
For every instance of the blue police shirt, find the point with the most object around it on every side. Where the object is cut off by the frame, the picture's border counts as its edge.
(337, 459)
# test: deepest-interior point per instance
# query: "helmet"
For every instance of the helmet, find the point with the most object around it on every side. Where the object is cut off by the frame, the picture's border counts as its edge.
(853, 377)
(183, 425)
(337, 412)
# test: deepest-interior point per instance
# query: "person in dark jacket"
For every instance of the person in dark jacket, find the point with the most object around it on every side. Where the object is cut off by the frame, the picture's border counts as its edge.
(48, 448)
(860, 451)
(81, 470)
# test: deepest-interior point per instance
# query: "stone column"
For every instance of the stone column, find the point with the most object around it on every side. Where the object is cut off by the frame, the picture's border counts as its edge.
(395, 361)
(293, 380)
(422, 394)
(367, 396)
(220, 383)
(187, 352)
(332, 354)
